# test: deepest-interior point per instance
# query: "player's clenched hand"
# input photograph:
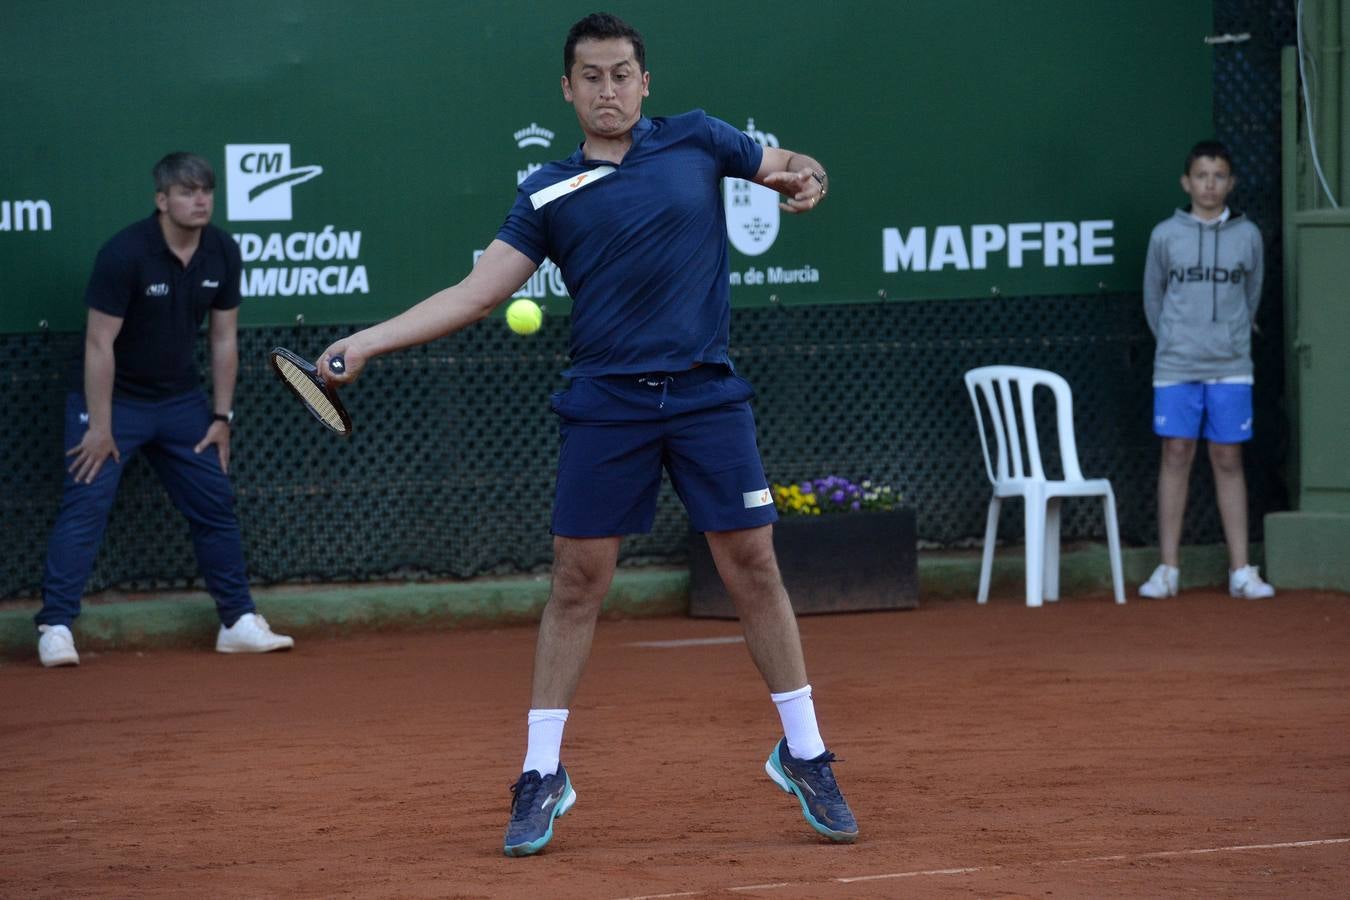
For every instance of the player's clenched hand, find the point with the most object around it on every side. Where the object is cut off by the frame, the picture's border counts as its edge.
(353, 361)
(801, 188)
(91, 453)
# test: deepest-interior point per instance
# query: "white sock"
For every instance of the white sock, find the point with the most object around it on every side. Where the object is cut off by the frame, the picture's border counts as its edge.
(545, 741)
(799, 723)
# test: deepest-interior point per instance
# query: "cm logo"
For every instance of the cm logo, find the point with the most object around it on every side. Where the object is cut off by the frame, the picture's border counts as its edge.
(259, 178)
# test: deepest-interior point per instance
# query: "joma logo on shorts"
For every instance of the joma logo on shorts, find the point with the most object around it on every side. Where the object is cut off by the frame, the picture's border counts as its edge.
(755, 499)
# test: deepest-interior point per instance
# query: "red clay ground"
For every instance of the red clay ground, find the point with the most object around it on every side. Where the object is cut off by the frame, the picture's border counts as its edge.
(1197, 746)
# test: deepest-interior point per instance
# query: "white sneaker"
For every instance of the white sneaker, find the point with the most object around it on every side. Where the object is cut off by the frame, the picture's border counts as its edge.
(1162, 583)
(251, 634)
(56, 646)
(1246, 584)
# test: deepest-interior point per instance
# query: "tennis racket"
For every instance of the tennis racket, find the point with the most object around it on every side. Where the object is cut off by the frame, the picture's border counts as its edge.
(303, 379)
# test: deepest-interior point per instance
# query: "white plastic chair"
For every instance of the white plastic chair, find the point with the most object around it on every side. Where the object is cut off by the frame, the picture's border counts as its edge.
(1007, 393)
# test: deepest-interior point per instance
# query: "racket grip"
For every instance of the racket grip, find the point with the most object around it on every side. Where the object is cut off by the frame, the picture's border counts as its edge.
(337, 364)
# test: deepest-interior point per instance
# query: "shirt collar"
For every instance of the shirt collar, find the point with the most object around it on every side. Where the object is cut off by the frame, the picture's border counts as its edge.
(1223, 217)
(641, 128)
(154, 234)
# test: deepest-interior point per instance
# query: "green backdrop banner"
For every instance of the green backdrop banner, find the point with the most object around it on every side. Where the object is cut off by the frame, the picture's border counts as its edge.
(366, 152)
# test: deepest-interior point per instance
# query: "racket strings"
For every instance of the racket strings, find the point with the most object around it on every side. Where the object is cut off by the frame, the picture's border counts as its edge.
(314, 398)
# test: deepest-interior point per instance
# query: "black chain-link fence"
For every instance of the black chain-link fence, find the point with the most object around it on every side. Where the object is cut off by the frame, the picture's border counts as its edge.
(450, 470)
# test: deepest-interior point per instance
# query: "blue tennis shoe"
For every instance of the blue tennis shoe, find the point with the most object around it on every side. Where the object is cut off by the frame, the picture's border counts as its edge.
(812, 781)
(535, 802)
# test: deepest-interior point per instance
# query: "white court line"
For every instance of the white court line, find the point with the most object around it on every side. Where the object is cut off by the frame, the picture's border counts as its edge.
(1233, 849)
(916, 874)
(1114, 858)
(919, 873)
(689, 642)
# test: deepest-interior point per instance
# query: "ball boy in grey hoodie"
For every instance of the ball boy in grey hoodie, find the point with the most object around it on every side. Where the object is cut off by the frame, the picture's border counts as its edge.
(1202, 284)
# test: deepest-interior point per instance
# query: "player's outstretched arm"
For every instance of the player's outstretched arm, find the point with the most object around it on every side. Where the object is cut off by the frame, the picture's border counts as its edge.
(794, 175)
(499, 272)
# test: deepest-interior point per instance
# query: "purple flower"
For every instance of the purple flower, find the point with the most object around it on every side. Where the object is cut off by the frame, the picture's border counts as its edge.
(835, 494)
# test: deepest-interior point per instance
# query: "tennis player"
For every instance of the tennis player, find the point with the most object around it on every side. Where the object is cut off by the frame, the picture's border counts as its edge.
(634, 221)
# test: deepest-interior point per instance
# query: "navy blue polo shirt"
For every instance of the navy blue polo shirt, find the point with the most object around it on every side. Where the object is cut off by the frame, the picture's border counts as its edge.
(162, 305)
(642, 248)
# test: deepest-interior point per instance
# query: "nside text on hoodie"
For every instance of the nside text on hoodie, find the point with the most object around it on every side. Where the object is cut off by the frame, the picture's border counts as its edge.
(1202, 284)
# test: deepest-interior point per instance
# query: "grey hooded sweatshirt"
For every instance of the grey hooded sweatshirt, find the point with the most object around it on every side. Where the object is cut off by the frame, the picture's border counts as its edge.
(1202, 284)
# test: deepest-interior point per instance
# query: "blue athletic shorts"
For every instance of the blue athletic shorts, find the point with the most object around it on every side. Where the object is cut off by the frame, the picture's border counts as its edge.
(618, 433)
(1225, 410)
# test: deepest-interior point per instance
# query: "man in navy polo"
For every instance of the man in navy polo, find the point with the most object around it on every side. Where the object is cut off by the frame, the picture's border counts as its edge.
(635, 223)
(137, 388)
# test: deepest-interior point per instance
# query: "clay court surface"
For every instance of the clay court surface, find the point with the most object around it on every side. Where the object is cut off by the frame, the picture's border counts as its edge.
(1199, 746)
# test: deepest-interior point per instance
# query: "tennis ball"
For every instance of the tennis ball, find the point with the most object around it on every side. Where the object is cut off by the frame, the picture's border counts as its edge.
(524, 316)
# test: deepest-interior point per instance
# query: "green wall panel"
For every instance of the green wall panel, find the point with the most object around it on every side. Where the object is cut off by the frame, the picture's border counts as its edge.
(970, 127)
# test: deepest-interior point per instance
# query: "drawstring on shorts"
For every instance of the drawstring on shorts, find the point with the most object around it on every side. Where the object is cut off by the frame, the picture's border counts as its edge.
(665, 381)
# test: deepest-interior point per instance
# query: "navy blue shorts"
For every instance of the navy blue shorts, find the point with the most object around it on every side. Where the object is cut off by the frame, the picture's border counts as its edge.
(619, 432)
